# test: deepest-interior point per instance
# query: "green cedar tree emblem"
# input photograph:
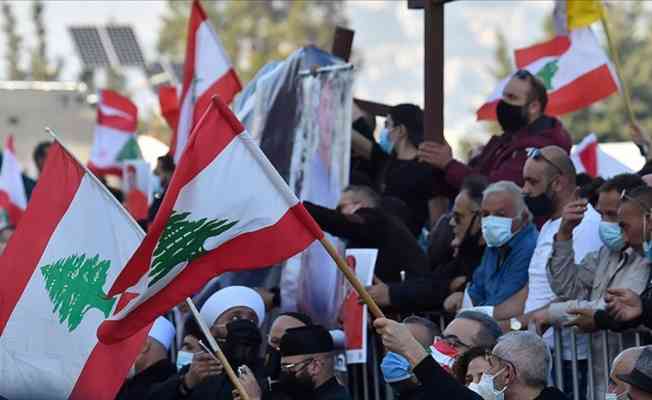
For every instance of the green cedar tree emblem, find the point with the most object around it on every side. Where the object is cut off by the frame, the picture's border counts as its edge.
(130, 151)
(183, 241)
(74, 285)
(547, 73)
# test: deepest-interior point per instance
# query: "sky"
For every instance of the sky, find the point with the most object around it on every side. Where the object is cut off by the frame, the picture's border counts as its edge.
(388, 36)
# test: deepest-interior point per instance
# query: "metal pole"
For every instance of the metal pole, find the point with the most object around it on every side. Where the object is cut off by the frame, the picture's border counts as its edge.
(354, 381)
(576, 388)
(637, 339)
(590, 372)
(620, 343)
(605, 355)
(558, 367)
(374, 366)
(433, 118)
(365, 381)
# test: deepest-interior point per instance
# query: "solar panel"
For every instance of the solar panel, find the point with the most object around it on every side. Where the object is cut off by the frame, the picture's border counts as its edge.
(125, 45)
(89, 45)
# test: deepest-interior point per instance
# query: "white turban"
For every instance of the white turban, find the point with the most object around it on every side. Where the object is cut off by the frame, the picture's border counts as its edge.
(229, 297)
(163, 331)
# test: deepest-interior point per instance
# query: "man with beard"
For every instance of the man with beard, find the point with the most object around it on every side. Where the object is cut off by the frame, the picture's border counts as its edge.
(521, 115)
(307, 367)
(234, 315)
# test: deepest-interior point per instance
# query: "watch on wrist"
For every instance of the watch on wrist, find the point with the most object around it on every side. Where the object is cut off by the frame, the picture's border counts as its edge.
(515, 324)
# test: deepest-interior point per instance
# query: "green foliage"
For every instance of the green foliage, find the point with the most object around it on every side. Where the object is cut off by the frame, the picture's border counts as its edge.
(41, 70)
(255, 32)
(75, 286)
(13, 44)
(629, 22)
(183, 241)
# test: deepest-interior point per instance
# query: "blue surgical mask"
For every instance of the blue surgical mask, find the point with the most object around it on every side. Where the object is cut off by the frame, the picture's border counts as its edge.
(385, 142)
(497, 231)
(395, 368)
(184, 358)
(611, 235)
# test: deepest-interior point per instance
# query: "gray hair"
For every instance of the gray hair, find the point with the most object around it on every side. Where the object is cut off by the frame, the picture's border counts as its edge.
(529, 354)
(514, 191)
(433, 330)
(489, 332)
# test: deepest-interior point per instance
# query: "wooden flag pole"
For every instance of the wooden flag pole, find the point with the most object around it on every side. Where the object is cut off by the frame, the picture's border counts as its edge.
(352, 278)
(619, 70)
(218, 352)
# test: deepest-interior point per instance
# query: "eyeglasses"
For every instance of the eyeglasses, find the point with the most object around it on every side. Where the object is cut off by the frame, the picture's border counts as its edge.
(287, 367)
(454, 341)
(624, 196)
(536, 154)
(495, 361)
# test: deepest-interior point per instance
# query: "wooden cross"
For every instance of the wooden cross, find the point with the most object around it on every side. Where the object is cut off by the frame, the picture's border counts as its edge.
(433, 118)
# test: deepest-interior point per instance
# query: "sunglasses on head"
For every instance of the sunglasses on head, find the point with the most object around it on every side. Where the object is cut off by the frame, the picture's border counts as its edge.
(536, 154)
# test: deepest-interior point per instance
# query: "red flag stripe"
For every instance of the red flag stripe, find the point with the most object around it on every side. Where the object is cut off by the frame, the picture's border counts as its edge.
(571, 97)
(236, 253)
(169, 103)
(51, 198)
(552, 48)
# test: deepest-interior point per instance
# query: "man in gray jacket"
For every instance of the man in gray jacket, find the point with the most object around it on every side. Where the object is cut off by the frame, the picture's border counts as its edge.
(619, 263)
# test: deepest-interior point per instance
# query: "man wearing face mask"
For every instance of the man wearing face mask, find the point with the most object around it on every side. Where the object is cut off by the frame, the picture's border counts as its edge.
(360, 220)
(618, 264)
(519, 366)
(511, 239)
(622, 364)
(520, 113)
(430, 291)
(152, 364)
(234, 315)
(282, 323)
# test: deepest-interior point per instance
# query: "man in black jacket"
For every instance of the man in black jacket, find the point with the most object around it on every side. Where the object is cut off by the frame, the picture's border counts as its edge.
(152, 365)
(430, 291)
(518, 367)
(360, 220)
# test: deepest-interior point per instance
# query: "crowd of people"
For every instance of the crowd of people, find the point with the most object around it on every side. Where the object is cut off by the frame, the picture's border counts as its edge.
(505, 247)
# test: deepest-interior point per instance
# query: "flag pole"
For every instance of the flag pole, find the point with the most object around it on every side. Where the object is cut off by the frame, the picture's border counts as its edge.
(218, 352)
(619, 70)
(352, 278)
(96, 180)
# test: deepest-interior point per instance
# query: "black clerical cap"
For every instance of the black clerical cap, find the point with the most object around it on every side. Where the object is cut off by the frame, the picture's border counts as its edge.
(306, 340)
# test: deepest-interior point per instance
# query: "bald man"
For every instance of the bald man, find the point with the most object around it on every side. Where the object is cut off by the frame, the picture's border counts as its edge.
(281, 324)
(550, 189)
(623, 364)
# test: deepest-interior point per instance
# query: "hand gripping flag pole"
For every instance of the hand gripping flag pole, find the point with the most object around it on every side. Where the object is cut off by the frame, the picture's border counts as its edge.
(216, 349)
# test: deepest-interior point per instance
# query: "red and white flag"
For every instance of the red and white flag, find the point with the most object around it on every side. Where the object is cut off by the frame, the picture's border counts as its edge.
(588, 157)
(574, 69)
(12, 189)
(137, 188)
(72, 243)
(114, 138)
(207, 72)
(226, 209)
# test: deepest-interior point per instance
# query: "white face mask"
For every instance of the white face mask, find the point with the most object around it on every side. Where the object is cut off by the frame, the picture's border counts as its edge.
(184, 358)
(486, 388)
(613, 396)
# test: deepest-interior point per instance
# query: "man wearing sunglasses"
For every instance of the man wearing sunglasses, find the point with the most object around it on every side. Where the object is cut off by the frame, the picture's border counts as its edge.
(520, 113)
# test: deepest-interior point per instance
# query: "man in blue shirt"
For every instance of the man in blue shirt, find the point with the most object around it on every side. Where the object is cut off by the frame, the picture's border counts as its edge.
(511, 238)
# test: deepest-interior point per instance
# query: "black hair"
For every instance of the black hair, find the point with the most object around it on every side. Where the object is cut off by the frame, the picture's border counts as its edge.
(461, 366)
(490, 331)
(433, 330)
(537, 89)
(642, 195)
(474, 186)
(411, 117)
(627, 182)
(167, 162)
(192, 328)
(40, 151)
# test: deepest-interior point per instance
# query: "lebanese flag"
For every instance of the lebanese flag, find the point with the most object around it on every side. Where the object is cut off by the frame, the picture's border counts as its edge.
(137, 188)
(115, 134)
(226, 209)
(574, 68)
(72, 244)
(588, 157)
(12, 190)
(207, 72)
(168, 101)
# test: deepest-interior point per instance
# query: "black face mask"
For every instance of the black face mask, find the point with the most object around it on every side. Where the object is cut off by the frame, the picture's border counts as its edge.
(272, 362)
(471, 241)
(295, 386)
(510, 117)
(242, 343)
